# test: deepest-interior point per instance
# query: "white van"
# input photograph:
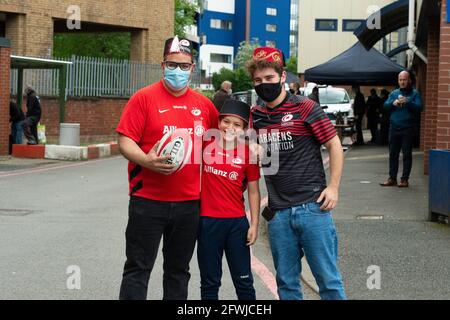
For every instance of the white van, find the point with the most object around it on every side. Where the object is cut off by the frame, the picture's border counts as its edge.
(332, 99)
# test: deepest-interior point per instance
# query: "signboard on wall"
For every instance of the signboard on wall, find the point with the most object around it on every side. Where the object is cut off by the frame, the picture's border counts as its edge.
(448, 13)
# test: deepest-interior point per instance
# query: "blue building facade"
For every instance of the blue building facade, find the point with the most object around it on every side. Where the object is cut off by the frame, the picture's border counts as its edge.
(224, 24)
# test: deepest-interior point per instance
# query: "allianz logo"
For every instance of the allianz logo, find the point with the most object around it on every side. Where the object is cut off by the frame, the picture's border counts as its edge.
(232, 175)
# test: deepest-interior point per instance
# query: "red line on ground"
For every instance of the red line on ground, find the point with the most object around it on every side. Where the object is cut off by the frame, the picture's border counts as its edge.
(260, 268)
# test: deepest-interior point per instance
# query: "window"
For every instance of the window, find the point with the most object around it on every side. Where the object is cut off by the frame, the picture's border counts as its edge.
(221, 24)
(271, 27)
(2, 28)
(351, 25)
(271, 43)
(271, 11)
(326, 24)
(220, 58)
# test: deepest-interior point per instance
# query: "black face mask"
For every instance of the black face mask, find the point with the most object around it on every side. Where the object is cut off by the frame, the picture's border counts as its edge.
(268, 91)
(291, 91)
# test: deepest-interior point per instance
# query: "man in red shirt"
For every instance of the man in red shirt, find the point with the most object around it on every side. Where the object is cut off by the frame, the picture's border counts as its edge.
(163, 204)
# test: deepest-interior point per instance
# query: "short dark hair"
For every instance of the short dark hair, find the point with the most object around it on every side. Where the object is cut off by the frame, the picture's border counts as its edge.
(253, 65)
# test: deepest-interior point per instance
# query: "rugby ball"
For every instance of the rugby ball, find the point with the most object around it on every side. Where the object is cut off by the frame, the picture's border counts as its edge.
(177, 144)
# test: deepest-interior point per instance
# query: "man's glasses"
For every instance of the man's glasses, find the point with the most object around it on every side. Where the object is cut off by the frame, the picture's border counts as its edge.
(171, 65)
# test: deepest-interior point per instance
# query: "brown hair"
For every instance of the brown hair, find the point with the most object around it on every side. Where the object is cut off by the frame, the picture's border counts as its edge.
(253, 65)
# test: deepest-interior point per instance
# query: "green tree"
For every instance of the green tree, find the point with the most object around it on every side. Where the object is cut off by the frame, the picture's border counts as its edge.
(185, 12)
(245, 52)
(239, 78)
(242, 80)
(221, 76)
(103, 45)
(291, 65)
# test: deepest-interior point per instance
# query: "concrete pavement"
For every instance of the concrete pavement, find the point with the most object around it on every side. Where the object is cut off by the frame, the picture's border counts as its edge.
(387, 227)
(54, 214)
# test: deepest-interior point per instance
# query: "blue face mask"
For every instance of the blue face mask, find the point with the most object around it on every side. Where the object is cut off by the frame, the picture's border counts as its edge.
(177, 79)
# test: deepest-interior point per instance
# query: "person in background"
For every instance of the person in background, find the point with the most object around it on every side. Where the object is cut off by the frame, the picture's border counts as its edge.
(384, 118)
(374, 105)
(222, 94)
(314, 96)
(405, 105)
(294, 88)
(359, 109)
(16, 118)
(33, 116)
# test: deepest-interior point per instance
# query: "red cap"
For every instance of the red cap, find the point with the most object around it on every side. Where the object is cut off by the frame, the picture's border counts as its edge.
(268, 54)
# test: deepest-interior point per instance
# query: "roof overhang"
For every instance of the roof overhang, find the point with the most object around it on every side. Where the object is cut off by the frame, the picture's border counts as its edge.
(393, 17)
(21, 62)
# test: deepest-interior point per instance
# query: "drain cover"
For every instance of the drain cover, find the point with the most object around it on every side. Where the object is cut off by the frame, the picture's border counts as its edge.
(370, 217)
(15, 212)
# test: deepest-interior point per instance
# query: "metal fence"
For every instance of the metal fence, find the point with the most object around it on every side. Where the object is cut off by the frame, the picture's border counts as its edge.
(94, 77)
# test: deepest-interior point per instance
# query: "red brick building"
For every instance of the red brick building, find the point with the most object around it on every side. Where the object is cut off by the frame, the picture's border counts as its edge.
(5, 62)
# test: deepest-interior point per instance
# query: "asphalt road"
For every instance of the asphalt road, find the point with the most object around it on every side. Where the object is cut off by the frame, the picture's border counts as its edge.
(58, 218)
(54, 215)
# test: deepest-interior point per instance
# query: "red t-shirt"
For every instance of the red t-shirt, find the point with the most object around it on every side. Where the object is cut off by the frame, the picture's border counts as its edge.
(149, 114)
(225, 176)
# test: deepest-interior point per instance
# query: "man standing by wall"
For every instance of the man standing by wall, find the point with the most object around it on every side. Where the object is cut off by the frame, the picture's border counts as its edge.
(405, 105)
(163, 204)
(33, 116)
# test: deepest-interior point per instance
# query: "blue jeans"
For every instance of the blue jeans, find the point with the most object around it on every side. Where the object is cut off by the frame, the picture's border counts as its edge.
(305, 230)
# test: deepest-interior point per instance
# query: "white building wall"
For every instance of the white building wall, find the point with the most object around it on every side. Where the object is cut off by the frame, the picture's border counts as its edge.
(225, 6)
(211, 67)
(316, 47)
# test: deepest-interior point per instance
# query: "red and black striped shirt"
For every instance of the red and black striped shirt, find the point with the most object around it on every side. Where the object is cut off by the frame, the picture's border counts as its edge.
(291, 135)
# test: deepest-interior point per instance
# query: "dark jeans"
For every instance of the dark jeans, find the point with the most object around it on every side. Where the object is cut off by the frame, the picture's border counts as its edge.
(17, 132)
(30, 130)
(217, 235)
(359, 133)
(384, 131)
(148, 222)
(373, 126)
(400, 140)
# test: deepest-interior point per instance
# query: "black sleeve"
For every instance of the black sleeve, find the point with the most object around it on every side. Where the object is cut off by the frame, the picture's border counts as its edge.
(36, 107)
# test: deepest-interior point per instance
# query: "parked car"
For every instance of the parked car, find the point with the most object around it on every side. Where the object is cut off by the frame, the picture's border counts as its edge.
(332, 100)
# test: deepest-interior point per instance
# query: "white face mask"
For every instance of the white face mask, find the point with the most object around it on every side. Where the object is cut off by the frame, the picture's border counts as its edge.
(230, 91)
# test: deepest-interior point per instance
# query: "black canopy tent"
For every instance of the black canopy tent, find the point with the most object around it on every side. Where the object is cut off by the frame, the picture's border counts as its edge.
(356, 66)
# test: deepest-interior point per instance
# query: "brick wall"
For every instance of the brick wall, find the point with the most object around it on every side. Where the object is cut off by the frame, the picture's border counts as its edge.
(443, 106)
(436, 118)
(4, 96)
(429, 116)
(29, 23)
(98, 118)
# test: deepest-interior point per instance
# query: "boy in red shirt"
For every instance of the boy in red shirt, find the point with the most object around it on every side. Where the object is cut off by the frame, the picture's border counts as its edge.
(227, 172)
